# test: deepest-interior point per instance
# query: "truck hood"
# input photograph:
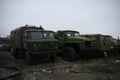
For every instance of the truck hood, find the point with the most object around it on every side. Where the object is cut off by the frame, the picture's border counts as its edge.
(76, 39)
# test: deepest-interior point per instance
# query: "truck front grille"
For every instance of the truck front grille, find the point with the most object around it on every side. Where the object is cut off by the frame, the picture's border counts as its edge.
(44, 46)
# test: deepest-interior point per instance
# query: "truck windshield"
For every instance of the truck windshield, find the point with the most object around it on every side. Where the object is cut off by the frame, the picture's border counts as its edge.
(37, 35)
(72, 34)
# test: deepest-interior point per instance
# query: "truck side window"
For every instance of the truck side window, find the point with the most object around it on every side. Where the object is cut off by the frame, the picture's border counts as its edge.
(45, 35)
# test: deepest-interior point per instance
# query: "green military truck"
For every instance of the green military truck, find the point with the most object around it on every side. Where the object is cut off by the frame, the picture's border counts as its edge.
(73, 46)
(103, 42)
(31, 42)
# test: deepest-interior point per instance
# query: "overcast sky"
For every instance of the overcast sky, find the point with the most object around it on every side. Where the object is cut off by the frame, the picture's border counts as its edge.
(85, 16)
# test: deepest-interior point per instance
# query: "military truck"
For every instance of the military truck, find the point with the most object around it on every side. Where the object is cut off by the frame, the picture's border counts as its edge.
(103, 42)
(116, 46)
(31, 42)
(73, 46)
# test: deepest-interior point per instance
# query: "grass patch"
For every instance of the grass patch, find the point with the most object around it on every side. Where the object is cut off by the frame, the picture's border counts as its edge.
(92, 63)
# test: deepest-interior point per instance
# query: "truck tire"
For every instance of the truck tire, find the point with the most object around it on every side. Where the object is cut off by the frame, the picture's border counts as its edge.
(27, 58)
(69, 54)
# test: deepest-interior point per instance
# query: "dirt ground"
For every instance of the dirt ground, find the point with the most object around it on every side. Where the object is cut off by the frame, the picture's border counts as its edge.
(72, 71)
(105, 72)
(91, 69)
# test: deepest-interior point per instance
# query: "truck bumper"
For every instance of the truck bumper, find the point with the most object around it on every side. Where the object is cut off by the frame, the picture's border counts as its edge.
(45, 53)
(90, 52)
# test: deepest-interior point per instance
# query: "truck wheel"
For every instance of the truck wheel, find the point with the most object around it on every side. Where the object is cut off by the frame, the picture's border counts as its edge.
(69, 54)
(27, 58)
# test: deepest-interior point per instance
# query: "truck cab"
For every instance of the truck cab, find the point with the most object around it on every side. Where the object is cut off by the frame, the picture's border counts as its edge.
(72, 45)
(31, 42)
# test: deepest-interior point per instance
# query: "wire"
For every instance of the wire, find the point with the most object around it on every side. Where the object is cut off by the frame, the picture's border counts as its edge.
(54, 14)
(33, 8)
(61, 12)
